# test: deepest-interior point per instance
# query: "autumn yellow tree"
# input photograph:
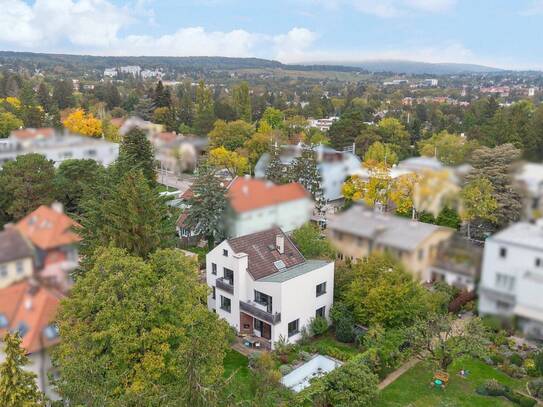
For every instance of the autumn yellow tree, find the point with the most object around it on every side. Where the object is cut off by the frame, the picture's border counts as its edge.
(233, 162)
(83, 123)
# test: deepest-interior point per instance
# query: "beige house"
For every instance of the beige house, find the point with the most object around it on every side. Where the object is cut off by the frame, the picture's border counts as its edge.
(358, 232)
(16, 257)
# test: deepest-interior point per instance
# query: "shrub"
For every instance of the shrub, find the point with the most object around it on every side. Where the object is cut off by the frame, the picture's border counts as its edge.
(491, 388)
(538, 359)
(318, 326)
(516, 359)
(285, 369)
(529, 366)
(343, 320)
(514, 371)
(305, 356)
(536, 388)
(496, 358)
(493, 323)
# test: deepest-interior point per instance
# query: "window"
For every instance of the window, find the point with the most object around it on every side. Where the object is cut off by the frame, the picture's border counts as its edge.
(228, 276)
(51, 331)
(503, 252)
(421, 254)
(213, 269)
(264, 299)
(321, 312)
(19, 267)
(537, 262)
(91, 153)
(213, 293)
(320, 289)
(226, 304)
(225, 252)
(293, 327)
(501, 305)
(3, 271)
(505, 281)
(3, 321)
(22, 328)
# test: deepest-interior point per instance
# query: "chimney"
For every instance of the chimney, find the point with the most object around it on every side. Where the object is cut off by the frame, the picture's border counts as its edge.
(280, 243)
(57, 207)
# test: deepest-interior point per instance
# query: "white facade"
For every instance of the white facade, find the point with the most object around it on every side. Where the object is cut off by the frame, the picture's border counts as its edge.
(110, 72)
(512, 277)
(293, 294)
(288, 216)
(60, 147)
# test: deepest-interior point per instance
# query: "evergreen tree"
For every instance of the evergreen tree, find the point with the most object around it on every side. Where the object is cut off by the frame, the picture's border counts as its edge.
(130, 216)
(17, 386)
(304, 169)
(136, 151)
(204, 110)
(63, 94)
(144, 108)
(242, 102)
(207, 206)
(275, 171)
(162, 97)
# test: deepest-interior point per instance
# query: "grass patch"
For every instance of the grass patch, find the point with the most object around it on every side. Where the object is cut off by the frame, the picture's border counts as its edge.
(328, 345)
(240, 384)
(413, 389)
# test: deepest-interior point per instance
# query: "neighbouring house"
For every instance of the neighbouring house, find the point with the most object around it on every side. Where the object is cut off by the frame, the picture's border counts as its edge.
(334, 166)
(264, 287)
(458, 263)
(133, 122)
(16, 257)
(530, 179)
(512, 276)
(57, 145)
(358, 232)
(52, 233)
(176, 153)
(30, 309)
(256, 205)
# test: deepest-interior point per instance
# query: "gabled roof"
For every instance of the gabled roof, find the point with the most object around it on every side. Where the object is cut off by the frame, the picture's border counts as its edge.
(30, 133)
(14, 246)
(389, 230)
(30, 309)
(247, 194)
(48, 228)
(262, 252)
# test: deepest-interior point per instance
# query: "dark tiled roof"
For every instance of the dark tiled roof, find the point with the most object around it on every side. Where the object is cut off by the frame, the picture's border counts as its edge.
(262, 252)
(13, 246)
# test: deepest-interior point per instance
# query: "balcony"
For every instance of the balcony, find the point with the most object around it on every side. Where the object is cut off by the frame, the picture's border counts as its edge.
(224, 285)
(259, 311)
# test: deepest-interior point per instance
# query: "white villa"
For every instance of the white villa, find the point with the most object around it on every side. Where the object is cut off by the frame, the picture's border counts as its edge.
(265, 288)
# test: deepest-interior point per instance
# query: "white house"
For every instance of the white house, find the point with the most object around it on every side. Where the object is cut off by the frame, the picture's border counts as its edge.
(57, 146)
(334, 167)
(256, 205)
(512, 276)
(264, 287)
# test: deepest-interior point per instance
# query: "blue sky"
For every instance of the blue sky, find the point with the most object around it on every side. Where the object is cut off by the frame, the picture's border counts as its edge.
(503, 33)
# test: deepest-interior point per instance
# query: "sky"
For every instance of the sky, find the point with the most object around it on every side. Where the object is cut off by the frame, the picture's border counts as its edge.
(499, 33)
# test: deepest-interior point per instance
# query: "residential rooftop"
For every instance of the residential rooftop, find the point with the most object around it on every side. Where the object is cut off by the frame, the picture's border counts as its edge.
(523, 234)
(295, 271)
(14, 246)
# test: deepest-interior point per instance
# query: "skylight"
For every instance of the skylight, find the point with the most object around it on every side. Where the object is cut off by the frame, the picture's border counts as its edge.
(3, 321)
(279, 264)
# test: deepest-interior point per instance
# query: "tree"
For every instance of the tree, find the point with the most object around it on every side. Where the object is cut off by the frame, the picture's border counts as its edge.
(136, 152)
(138, 333)
(26, 183)
(497, 166)
(204, 110)
(72, 178)
(63, 94)
(83, 123)
(17, 386)
(450, 149)
(375, 190)
(275, 171)
(234, 163)
(256, 146)
(230, 135)
(162, 97)
(144, 108)
(383, 292)
(133, 217)
(345, 131)
(478, 202)
(207, 206)
(273, 117)
(44, 97)
(242, 101)
(304, 170)
(443, 339)
(8, 123)
(380, 153)
(351, 385)
(392, 131)
(311, 243)
(111, 132)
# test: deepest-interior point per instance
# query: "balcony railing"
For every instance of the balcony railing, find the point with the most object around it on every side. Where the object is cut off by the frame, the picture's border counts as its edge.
(224, 285)
(256, 310)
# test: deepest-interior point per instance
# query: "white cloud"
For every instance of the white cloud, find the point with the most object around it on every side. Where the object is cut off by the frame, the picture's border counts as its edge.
(535, 8)
(391, 8)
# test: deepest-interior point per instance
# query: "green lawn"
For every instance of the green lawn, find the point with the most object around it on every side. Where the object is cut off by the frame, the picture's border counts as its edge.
(412, 388)
(240, 383)
(328, 341)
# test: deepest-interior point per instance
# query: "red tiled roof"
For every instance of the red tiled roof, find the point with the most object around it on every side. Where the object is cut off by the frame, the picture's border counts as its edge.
(48, 228)
(166, 136)
(262, 252)
(247, 194)
(30, 133)
(31, 306)
(118, 121)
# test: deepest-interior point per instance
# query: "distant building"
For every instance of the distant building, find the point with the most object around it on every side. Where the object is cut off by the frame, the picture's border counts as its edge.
(56, 146)
(265, 288)
(16, 257)
(133, 70)
(110, 72)
(512, 277)
(396, 82)
(30, 309)
(334, 167)
(323, 124)
(359, 232)
(150, 74)
(430, 82)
